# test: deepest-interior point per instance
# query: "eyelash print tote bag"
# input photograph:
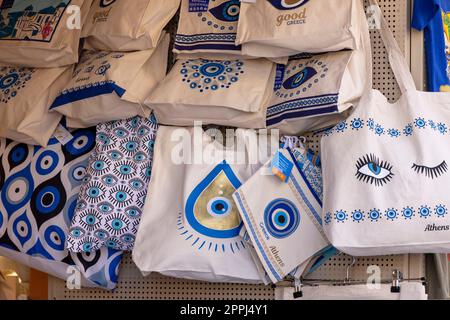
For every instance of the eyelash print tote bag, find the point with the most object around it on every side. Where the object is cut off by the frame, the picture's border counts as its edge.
(385, 169)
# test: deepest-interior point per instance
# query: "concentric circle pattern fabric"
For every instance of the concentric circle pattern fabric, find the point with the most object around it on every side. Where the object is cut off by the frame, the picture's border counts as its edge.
(113, 193)
(38, 194)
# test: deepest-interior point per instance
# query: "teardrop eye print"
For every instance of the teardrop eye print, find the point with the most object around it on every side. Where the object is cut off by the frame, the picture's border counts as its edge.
(299, 78)
(431, 172)
(227, 11)
(371, 170)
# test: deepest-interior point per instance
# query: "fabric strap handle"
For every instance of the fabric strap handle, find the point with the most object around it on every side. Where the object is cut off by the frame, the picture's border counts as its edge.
(396, 59)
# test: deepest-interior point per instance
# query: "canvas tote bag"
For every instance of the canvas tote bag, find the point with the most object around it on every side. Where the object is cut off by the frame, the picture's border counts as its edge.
(190, 224)
(41, 34)
(25, 97)
(266, 27)
(108, 86)
(222, 92)
(124, 25)
(386, 169)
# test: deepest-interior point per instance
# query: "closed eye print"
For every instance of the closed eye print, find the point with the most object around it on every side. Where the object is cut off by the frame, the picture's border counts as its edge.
(299, 78)
(371, 170)
(227, 11)
(287, 4)
(431, 172)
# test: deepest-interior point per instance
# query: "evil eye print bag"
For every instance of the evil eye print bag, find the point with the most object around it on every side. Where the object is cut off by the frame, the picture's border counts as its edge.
(190, 223)
(41, 34)
(266, 27)
(284, 223)
(113, 193)
(386, 169)
(25, 97)
(223, 92)
(115, 25)
(108, 86)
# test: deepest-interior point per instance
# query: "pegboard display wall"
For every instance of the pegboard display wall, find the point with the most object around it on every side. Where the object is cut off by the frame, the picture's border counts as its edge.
(133, 286)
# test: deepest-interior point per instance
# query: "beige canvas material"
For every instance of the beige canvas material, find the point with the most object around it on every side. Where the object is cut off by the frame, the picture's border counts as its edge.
(25, 102)
(224, 56)
(133, 75)
(119, 26)
(318, 26)
(187, 94)
(208, 31)
(44, 40)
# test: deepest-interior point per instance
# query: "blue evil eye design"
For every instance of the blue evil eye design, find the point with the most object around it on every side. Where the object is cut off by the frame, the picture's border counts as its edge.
(371, 170)
(130, 146)
(100, 166)
(121, 133)
(87, 244)
(341, 216)
(95, 192)
(408, 131)
(420, 123)
(81, 205)
(127, 238)
(408, 213)
(117, 224)
(133, 212)
(342, 126)
(113, 244)
(110, 180)
(115, 155)
(442, 128)
(287, 4)
(143, 131)
(424, 212)
(357, 124)
(90, 220)
(105, 207)
(281, 218)
(101, 71)
(379, 130)
(431, 172)
(327, 218)
(219, 207)
(299, 78)
(124, 170)
(371, 124)
(140, 157)
(374, 215)
(76, 232)
(136, 184)
(357, 216)
(102, 235)
(391, 214)
(441, 211)
(394, 133)
(121, 196)
(227, 11)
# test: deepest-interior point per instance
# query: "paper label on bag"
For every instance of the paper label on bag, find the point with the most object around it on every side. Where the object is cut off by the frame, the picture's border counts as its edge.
(281, 167)
(198, 5)
(62, 135)
(279, 77)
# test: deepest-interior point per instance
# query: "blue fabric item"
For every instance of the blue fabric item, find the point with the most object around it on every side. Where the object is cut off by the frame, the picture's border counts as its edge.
(433, 16)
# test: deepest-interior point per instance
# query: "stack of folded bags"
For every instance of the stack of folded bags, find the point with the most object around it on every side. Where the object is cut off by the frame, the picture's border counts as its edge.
(87, 133)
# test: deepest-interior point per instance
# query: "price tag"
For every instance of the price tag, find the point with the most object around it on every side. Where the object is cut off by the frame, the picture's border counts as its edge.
(62, 135)
(281, 167)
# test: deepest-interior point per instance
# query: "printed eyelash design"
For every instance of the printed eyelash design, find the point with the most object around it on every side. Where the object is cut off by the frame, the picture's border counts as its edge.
(95, 192)
(431, 172)
(125, 169)
(371, 170)
(100, 165)
(130, 146)
(90, 220)
(117, 224)
(121, 196)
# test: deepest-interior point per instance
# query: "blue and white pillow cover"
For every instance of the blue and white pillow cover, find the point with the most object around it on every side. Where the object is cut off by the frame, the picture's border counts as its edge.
(38, 194)
(113, 194)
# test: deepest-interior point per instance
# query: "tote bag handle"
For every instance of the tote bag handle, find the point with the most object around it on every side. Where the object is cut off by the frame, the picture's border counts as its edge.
(397, 61)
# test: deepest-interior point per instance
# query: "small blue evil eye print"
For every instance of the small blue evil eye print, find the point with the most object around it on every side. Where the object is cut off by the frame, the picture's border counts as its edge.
(374, 215)
(219, 207)
(227, 11)
(151, 145)
(112, 243)
(125, 170)
(287, 4)
(341, 216)
(133, 212)
(90, 220)
(424, 212)
(441, 211)
(116, 225)
(95, 192)
(408, 213)
(420, 123)
(87, 246)
(127, 238)
(129, 147)
(76, 232)
(121, 196)
(121, 133)
(136, 184)
(101, 71)
(101, 235)
(143, 131)
(81, 205)
(109, 180)
(357, 216)
(105, 207)
(371, 170)
(140, 157)
(115, 155)
(299, 78)
(391, 214)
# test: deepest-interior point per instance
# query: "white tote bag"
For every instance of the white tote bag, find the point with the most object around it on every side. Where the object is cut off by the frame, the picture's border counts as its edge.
(281, 28)
(190, 224)
(385, 170)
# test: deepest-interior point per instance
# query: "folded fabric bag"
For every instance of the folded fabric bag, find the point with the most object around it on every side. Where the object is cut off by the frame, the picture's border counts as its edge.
(190, 223)
(385, 169)
(280, 28)
(108, 86)
(115, 25)
(41, 34)
(25, 97)
(113, 193)
(208, 26)
(284, 223)
(222, 92)
(316, 91)
(38, 195)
